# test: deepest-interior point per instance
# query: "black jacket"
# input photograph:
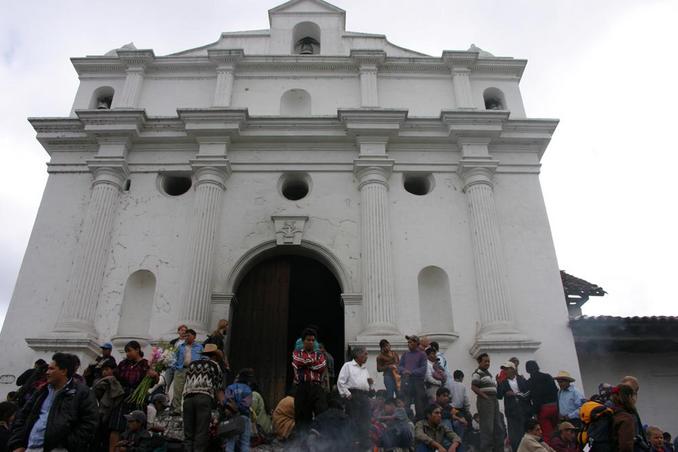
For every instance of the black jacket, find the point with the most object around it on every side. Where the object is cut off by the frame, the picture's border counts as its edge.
(515, 405)
(71, 424)
(543, 390)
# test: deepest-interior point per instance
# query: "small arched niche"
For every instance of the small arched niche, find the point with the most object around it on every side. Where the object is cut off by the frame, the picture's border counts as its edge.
(295, 102)
(306, 39)
(137, 304)
(435, 302)
(494, 99)
(102, 98)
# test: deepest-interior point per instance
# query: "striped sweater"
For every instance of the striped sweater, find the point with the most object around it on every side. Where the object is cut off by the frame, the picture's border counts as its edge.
(203, 377)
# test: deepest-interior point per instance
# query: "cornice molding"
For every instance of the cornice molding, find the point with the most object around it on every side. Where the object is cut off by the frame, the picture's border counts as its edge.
(453, 127)
(136, 58)
(213, 121)
(191, 65)
(225, 57)
(373, 57)
(114, 124)
(372, 121)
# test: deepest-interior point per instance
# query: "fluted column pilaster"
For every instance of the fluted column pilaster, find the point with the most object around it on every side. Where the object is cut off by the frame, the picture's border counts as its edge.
(136, 61)
(79, 308)
(379, 305)
(462, 88)
(493, 294)
(210, 176)
(368, 62)
(226, 61)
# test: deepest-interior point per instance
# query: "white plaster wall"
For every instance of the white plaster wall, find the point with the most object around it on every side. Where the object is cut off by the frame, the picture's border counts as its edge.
(253, 197)
(421, 95)
(149, 233)
(261, 95)
(42, 282)
(657, 373)
(161, 96)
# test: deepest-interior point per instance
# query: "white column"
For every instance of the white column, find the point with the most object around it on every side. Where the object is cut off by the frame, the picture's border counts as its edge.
(379, 306)
(462, 88)
(210, 177)
(493, 294)
(77, 313)
(368, 61)
(224, 88)
(369, 91)
(226, 61)
(136, 61)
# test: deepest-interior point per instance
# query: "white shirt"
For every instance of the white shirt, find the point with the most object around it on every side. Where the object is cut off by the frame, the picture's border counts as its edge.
(513, 383)
(352, 376)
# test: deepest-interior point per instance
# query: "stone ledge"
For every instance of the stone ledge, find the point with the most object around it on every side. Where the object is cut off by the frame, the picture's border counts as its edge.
(64, 342)
(502, 342)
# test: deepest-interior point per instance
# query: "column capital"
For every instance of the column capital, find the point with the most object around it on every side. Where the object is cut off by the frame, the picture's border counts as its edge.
(137, 59)
(372, 171)
(477, 171)
(211, 170)
(112, 171)
(225, 59)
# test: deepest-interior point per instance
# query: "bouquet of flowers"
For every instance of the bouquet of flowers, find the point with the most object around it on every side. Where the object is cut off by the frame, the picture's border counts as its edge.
(162, 356)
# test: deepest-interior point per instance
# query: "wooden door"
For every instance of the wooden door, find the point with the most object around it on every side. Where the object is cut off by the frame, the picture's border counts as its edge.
(259, 327)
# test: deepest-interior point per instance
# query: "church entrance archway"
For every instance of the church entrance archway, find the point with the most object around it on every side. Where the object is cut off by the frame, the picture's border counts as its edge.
(275, 300)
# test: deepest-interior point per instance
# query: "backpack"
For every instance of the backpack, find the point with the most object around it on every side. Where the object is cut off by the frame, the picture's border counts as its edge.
(596, 432)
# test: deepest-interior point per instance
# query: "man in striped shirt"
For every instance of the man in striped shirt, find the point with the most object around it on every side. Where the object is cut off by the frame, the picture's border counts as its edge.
(308, 364)
(491, 425)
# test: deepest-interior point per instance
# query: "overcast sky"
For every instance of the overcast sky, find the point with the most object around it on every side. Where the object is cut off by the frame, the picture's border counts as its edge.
(606, 68)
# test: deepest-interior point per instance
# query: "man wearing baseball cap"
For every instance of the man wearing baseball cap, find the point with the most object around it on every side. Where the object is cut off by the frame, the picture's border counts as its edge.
(136, 432)
(570, 399)
(93, 371)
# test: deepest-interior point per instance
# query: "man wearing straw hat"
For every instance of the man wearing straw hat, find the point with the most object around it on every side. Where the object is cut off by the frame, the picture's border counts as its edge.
(570, 399)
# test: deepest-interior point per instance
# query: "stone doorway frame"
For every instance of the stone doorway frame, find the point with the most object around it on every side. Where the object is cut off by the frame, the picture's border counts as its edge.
(351, 300)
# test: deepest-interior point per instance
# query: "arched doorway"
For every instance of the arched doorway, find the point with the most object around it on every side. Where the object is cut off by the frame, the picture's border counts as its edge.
(275, 300)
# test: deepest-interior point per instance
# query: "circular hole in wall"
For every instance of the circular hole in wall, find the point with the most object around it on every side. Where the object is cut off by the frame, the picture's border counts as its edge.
(294, 186)
(175, 184)
(417, 183)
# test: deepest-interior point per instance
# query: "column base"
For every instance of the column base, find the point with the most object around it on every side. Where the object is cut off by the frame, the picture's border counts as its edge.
(380, 329)
(502, 341)
(81, 343)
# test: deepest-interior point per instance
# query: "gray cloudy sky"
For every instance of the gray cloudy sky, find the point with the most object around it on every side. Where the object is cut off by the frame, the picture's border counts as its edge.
(606, 68)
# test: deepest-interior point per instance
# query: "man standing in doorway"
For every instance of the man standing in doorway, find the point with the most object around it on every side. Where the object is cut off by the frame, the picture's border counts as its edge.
(308, 365)
(412, 367)
(187, 352)
(485, 387)
(354, 384)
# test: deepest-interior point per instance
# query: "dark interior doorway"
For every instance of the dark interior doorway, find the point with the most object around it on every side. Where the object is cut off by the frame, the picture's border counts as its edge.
(275, 300)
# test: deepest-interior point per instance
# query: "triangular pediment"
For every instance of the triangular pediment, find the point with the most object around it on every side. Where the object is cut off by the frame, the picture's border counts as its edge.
(306, 6)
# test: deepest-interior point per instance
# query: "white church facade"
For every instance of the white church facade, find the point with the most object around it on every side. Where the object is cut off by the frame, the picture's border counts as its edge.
(299, 175)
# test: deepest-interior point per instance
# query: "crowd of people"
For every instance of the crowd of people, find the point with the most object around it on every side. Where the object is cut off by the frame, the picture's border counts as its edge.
(198, 404)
